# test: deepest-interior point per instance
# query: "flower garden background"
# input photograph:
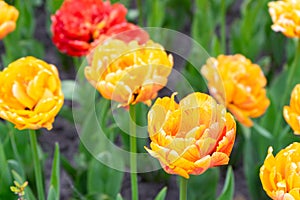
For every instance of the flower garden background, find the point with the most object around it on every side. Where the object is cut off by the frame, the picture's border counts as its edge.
(166, 99)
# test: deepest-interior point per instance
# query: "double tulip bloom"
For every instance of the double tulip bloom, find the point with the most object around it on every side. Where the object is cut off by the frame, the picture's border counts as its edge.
(80, 25)
(31, 93)
(128, 72)
(190, 136)
(291, 113)
(280, 176)
(239, 84)
(285, 17)
(8, 18)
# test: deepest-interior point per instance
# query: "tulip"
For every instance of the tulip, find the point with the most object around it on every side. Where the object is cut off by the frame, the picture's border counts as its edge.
(285, 17)
(31, 94)
(128, 72)
(8, 17)
(279, 175)
(292, 113)
(190, 136)
(240, 84)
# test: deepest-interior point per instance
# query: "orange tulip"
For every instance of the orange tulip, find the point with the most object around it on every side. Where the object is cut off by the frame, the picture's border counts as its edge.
(244, 94)
(292, 113)
(280, 176)
(31, 93)
(128, 72)
(8, 18)
(285, 17)
(192, 136)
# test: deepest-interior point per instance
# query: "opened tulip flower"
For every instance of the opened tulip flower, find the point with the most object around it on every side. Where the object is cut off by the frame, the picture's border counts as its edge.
(285, 17)
(190, 136)
(280, 176)
(8, 18)
(80, 25)
(292, 113)
(128, 72)
(240, 84)
(31, 93)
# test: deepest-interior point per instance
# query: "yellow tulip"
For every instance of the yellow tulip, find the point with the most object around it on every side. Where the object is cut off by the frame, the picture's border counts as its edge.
(280, 176)
(31, 93)
(128, 72)
(285, 17)
(8, 18)
(292, 113)
(244, 94)
(192, 136)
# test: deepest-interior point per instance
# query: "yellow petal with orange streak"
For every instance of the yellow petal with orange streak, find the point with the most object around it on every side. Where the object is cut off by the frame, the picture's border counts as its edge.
(191, 153)
(156, 117)
(180, 144)
(219, 158)
(189, 119)
(196, 132)
(226, 144)
(205, 146)
(176, 170)
(204, 163)
(19, 92)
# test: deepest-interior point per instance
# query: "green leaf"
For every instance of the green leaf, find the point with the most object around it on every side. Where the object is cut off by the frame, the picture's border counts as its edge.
(119, 197)
(162, 194)
(67, 87)
(53, 5)
(262, 131)
(228, 189)
(14, 165)
(55, 175)
(52, 195)
(156, 16)
(103, 179)
(68, 167)
(209, 178)
(5, 176)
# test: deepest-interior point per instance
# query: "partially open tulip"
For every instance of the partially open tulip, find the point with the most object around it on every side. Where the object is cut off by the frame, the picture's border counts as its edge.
(8, 18)
(31, 93)
(190, 136)
(80, 25)
(128, 72)
(292, 113)
(280, 176)
(285, 17)
(239, 84)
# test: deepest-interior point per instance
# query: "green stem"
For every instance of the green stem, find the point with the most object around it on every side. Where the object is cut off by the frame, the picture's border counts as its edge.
(14, 146)
(37, 165)
(183, 188)
(289, 85)
(133, 165)
(140, 8)
(223, 27)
